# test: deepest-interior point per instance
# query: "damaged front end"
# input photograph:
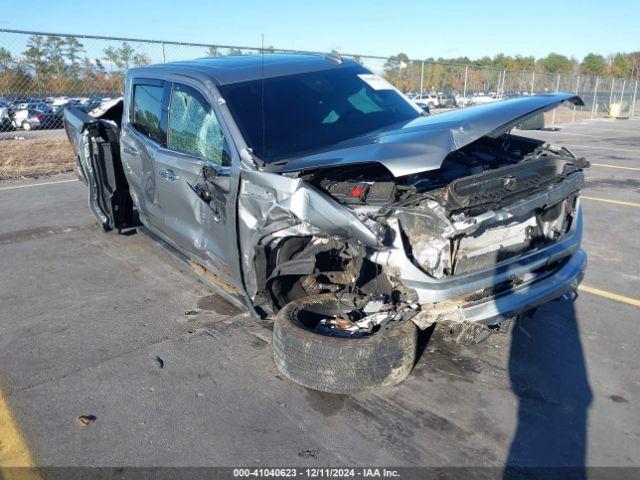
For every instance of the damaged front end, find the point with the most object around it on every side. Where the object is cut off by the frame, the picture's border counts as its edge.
(493, 232)
(295, 240)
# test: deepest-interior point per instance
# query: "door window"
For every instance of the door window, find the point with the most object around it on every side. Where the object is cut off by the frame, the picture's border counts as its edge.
(193, 126)
(147, 111)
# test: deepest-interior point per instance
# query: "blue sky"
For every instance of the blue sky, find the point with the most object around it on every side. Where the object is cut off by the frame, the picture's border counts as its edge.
(419, 28)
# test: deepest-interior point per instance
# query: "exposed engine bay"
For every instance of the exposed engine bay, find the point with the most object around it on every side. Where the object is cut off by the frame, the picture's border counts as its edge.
(496, 199)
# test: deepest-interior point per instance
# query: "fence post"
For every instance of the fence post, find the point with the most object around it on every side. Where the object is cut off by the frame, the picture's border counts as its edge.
(421, 79)
(553, 117)
(533, 81)
(594, 105)
(613, 81)
(622, 93)
(164, 60)
(633, 102)
(464, 91)
(573, 112)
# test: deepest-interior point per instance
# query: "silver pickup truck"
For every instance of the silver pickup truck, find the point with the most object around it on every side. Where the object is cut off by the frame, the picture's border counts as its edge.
(311, 191)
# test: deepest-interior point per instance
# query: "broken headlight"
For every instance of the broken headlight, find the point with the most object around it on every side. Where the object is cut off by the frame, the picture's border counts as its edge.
(424, 243)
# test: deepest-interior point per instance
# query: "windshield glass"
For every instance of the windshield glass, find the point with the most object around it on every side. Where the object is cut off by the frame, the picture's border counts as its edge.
(312, 111)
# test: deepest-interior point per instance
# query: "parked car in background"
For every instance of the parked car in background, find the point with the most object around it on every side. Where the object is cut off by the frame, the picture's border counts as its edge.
(446, 100)
(5, 117)
(33, 118)
(37, 104)
(424, 106)
(431, 99)
(463, 100)
(482, 98)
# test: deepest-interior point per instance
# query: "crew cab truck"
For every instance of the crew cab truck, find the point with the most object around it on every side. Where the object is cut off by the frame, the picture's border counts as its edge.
(311, 191)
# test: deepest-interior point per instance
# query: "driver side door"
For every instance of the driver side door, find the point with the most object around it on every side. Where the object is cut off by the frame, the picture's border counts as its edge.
(194, 184)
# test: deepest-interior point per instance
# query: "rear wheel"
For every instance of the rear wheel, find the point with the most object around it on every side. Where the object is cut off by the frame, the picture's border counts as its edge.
(339, 362)
(26, 126)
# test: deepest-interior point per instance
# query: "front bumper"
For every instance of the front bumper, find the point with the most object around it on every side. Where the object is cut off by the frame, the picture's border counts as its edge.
(564, 264)
(525, 297)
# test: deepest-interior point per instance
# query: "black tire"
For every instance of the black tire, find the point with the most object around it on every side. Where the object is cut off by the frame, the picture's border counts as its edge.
(336, 364)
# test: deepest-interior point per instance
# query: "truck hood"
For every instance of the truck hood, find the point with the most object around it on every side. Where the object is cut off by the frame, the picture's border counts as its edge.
(422, 144)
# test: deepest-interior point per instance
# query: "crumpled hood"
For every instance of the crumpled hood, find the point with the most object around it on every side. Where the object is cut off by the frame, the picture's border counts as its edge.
(422, 144)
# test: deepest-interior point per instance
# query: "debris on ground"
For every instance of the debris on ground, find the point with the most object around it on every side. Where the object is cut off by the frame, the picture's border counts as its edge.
(84, 420)
(212, 334)
(190, 312)
(259, 336)
(618, 399)
(308, 452)
(160, 361)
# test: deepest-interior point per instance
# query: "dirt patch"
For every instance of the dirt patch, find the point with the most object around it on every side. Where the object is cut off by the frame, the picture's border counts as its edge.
(32, 158)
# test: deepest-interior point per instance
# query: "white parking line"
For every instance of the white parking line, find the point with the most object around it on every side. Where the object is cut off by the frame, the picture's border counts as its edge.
(38, 184)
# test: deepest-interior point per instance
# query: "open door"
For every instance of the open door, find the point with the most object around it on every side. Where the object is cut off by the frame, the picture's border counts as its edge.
(97, 145)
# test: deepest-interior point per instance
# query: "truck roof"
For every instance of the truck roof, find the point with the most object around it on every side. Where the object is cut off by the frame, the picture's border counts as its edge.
(241, 68)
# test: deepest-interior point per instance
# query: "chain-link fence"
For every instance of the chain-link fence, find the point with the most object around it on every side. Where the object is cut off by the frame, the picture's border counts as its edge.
(42, 73)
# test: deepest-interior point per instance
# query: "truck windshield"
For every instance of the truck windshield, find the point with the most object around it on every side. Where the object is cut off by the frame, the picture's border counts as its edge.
(312, 111)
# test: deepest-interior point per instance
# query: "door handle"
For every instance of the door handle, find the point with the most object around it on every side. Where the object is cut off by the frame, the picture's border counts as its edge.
(130, 151)
(168, 174)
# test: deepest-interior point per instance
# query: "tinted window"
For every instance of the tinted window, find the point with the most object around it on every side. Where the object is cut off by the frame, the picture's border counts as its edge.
(147, 111)
(193, 126)
(305, 112)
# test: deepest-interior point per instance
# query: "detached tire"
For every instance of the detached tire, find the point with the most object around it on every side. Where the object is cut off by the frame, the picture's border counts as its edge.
(337, 364)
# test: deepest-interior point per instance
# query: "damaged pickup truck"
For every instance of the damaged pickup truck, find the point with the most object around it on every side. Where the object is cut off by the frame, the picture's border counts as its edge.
(309, 190)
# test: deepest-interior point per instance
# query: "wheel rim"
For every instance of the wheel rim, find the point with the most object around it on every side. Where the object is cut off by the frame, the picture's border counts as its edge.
(323, 317)
(26, 126)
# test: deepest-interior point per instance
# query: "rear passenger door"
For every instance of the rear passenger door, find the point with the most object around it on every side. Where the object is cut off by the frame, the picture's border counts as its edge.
(194, 188)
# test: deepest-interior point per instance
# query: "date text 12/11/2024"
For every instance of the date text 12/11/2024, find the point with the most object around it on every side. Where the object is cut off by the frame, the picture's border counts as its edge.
(316, 472)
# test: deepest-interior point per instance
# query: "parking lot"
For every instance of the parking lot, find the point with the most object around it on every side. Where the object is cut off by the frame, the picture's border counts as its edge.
(100, 365)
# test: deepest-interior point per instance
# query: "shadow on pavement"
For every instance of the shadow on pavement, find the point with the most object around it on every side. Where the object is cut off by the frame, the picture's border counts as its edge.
(548, 374)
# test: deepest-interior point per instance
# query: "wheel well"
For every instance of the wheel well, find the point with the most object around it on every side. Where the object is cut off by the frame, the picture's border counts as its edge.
(311, 265)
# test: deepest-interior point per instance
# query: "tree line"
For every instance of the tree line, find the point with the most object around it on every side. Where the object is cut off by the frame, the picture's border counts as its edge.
(53, 65)
(60, 65)
(486, 73)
